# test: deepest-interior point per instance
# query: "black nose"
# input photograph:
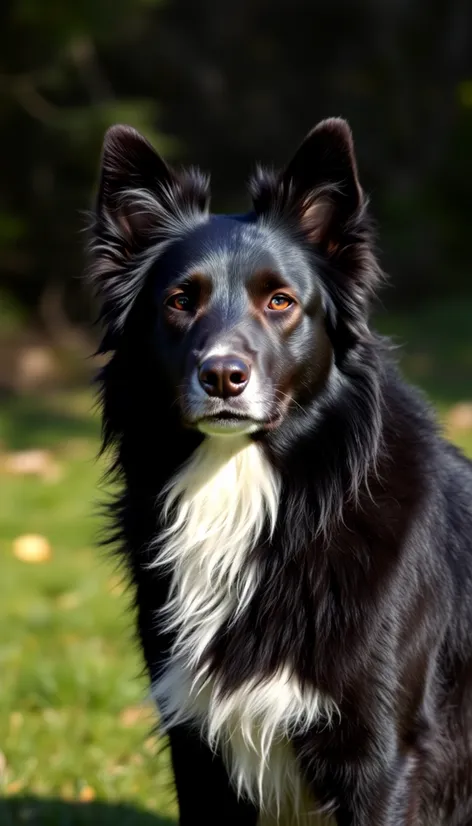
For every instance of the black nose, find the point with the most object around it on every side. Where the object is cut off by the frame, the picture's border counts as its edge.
(224, 376)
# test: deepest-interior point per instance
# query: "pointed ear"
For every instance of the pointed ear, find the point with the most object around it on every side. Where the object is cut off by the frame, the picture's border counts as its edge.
(142, 203)
(130, 166)
(319, 197)
(320, 185)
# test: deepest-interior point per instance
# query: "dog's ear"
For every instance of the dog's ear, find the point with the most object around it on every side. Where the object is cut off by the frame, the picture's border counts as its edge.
(319, 187)
(319, 197)
(132, 175)
(141, 203)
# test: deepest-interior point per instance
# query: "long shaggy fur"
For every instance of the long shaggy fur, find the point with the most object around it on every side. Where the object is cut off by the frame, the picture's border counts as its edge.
(217, 507)
(303, 591)
(131, 230)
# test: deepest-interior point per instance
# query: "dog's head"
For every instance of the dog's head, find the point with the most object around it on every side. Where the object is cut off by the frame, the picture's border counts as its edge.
(248, 316)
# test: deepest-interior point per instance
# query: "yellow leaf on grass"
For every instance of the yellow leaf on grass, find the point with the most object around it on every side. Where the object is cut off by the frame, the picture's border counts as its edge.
(460, 416)
(87, 794)
(135, 714)
(32, 547)
(15, 786)
(32, 463)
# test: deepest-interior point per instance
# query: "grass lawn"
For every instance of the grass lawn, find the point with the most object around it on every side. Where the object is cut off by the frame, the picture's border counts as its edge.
(75, 733)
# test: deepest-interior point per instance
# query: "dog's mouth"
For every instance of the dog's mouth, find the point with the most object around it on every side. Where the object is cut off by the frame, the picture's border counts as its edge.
(228, 417)
(235, 416)
(228, 422)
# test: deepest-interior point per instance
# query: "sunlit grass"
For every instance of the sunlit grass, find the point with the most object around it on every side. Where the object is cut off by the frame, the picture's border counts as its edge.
(76, 742)
(74, 724)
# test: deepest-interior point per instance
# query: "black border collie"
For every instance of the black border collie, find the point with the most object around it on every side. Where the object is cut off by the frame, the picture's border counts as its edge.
(297, 532)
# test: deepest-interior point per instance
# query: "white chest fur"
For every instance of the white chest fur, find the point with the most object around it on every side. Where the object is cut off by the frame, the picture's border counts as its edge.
(216, 508)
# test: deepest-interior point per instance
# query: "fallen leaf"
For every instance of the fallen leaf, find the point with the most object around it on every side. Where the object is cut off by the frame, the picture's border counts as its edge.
(32, 463)
(32, 548)
(15, 786)
(36, 366)
(134, 714)
(460, 416)
(87, 794)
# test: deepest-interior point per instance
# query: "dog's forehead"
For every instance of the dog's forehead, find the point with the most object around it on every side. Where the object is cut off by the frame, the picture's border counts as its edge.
(236, 247)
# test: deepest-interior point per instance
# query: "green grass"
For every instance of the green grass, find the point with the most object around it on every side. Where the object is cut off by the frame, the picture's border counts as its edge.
(435, 347)
(73, 724)
(75, 736)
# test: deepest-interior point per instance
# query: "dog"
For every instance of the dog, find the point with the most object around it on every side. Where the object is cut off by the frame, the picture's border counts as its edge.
(297, 532)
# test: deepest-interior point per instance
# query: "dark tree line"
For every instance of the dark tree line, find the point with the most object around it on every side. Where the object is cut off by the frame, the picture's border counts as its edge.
(224, 85)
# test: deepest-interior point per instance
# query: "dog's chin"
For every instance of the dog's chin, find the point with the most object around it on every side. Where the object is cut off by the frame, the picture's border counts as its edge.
(228, 425)
(222, 420)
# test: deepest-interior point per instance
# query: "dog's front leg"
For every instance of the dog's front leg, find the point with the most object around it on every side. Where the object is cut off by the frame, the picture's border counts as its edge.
(365, 781)
(204, 793)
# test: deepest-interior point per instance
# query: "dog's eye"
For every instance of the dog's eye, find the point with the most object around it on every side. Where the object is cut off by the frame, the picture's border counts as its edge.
(280, 302)
(180, 301)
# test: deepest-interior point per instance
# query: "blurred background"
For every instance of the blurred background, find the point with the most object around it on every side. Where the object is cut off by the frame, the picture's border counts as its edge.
(222, 85)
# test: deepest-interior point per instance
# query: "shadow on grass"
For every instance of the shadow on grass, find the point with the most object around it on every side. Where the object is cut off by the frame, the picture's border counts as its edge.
(34, 811)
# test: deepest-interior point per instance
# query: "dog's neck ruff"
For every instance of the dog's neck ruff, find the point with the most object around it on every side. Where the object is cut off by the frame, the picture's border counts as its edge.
(216, 509)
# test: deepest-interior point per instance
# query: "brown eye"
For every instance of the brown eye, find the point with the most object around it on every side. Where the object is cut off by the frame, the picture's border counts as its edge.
(280, 302)
(180, 301)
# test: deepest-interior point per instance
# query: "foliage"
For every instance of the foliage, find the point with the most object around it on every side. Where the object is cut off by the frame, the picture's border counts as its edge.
(228, 85)
(56, 101)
